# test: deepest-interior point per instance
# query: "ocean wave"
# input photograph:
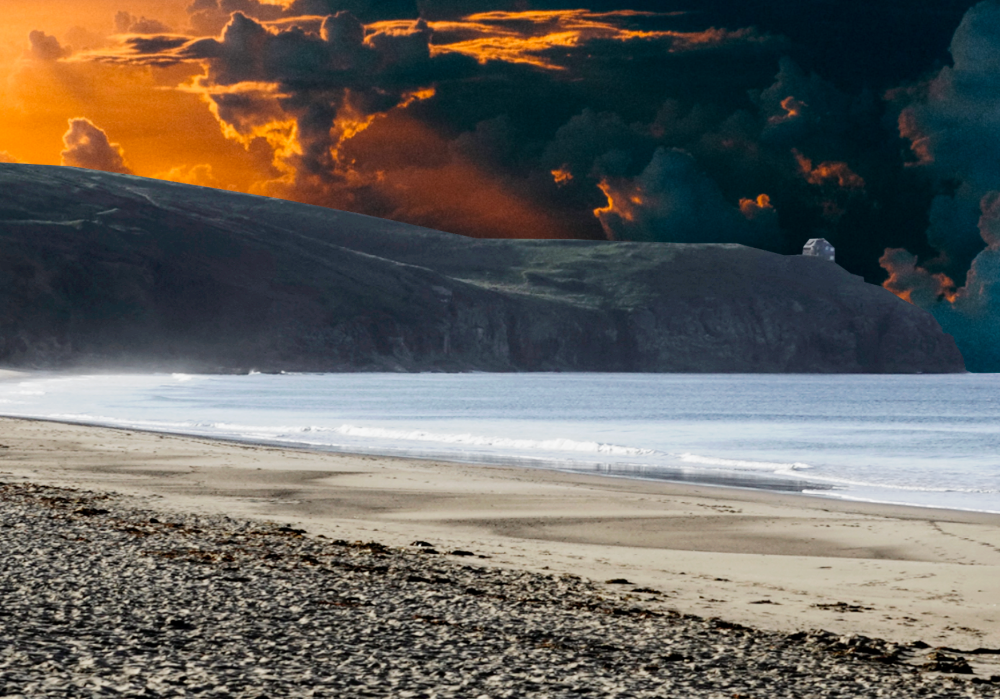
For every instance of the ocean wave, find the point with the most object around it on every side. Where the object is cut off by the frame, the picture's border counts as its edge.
(854, 483)
(474, 440)
(742, 465)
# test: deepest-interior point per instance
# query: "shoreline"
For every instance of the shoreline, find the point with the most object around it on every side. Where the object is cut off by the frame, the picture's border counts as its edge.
(853, 465)
(777, 561)
(706, 479)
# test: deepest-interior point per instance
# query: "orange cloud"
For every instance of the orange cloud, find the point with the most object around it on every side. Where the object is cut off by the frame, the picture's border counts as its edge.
(532, 38)
(541, 38)
(562, 176)
(351, 121)
(400, 168)
(462, 198)
(624, 198)
(915, 284)
(158, 125)
(313, 108)
(87, 146)
(792, 108)
(200, 175)
(828, 172)
(754, 208)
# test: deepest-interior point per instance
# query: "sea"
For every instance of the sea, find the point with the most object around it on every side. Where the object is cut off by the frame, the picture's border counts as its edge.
(928, 440)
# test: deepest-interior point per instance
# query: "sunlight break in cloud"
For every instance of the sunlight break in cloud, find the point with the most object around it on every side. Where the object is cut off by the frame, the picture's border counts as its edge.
(542, 39)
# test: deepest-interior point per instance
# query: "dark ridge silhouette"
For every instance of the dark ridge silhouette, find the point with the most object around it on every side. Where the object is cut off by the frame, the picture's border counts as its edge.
(112, 271)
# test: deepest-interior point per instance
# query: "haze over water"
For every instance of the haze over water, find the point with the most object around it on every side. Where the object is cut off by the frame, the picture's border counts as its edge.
(920, 440)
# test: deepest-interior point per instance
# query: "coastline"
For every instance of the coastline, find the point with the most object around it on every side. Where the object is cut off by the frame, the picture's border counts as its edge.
(774, 561)
(789, 433)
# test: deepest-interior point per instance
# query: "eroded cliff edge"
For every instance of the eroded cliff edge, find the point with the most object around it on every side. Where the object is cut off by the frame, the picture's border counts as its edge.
(100, 270)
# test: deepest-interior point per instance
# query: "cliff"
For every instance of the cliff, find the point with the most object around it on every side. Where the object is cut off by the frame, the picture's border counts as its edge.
(100, 270)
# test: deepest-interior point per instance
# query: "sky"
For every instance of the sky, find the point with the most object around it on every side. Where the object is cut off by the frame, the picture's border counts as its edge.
(873, 124)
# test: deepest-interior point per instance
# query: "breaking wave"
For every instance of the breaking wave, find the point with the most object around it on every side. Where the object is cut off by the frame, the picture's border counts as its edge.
(474, 440)
(742, 465)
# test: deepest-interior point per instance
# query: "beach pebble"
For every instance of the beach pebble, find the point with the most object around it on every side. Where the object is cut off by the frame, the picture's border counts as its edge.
(101, 597)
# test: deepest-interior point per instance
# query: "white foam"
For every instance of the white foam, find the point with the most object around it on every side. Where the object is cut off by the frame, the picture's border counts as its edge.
(474, 440)
(741, 464)
(854, 483)
(802, 428)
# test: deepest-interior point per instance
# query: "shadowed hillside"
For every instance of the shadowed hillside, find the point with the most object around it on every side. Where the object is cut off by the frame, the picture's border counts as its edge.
(100, 270)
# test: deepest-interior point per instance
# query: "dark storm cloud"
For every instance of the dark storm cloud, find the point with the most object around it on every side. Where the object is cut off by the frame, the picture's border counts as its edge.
(672, 201)
(762, 122)
(953, 130)
(493, 143)
(548, 101)
(208, 17)
(798, 105)
(590, 136)
(309, 85)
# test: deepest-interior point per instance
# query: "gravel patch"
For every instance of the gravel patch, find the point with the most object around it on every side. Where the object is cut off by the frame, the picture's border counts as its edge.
(101, 597)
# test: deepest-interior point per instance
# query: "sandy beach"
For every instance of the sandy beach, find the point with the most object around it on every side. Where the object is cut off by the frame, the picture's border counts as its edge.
(774, 562)
(752, 557)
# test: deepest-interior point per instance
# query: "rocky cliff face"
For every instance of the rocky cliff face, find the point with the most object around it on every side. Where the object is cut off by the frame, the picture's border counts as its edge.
(101, 270)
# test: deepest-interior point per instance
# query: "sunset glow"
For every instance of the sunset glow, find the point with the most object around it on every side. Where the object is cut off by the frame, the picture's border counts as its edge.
(621, 204)
(752, 208)
(150, 93)
(828, 172)
(708, 123)
(512, 119)
(562, 176)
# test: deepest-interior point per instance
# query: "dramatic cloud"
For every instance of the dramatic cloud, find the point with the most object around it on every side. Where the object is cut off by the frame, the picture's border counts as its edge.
(547, 39)
(6, 157)
(798, 105)
(759, 211)
(953, 134)
(309, 86)
(829, 173)
(262, 81)
(912, 282)
(671, 201)
(87, 146)
(971, 313)
(717, 122)
(590, 136)
(208, 17)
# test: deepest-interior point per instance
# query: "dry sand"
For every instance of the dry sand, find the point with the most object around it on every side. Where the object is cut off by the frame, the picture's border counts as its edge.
(771, 561)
